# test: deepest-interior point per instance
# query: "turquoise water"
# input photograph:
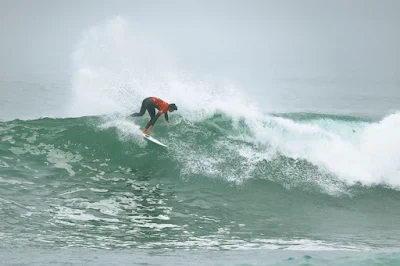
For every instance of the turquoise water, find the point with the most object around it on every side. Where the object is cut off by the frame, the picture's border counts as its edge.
(95, 183)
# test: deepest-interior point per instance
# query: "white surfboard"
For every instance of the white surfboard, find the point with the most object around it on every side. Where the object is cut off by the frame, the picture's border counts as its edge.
(153, 140)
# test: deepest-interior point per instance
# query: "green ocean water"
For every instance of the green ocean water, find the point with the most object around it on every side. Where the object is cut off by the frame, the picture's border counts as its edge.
(284, 149)
(289, 189)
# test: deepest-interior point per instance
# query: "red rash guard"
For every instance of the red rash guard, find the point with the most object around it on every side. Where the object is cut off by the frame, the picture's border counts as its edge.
(160, 105)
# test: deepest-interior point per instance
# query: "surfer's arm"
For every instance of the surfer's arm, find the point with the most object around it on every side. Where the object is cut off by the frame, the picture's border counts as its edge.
(166, 116)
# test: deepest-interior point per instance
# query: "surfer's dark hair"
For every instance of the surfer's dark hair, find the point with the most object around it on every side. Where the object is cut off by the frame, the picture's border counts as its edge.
(173, 106)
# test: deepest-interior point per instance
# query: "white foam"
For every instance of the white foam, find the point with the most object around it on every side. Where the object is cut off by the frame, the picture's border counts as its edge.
(61, 159)
(4, 164)
(109, 206)
(72, 191)
(14, 182)
(9, 139)
(98, 190)
(369, 155)
(79, 215)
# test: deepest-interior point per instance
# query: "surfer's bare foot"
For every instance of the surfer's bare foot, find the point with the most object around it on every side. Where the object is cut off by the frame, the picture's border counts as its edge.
(145, 132)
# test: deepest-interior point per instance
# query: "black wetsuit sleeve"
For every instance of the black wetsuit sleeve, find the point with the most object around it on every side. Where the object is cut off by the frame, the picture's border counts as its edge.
(166, 116)
(153, 121)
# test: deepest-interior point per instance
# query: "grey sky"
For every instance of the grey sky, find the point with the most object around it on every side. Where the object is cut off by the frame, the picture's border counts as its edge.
(300, 36)
(251, 41)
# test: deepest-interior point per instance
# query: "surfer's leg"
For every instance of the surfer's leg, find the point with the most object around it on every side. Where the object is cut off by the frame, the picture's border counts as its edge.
(152, 111)
(142, 109)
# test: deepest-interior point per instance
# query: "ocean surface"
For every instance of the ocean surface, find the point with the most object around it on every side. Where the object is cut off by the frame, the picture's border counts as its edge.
(285, 189)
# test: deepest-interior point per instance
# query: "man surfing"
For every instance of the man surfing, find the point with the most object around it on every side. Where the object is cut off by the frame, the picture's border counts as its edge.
(150, 104)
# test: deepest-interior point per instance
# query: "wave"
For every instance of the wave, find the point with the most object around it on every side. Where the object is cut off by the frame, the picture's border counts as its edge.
(322, 152)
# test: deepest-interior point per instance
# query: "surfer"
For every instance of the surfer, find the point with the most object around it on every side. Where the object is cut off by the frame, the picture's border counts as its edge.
(150, 104)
